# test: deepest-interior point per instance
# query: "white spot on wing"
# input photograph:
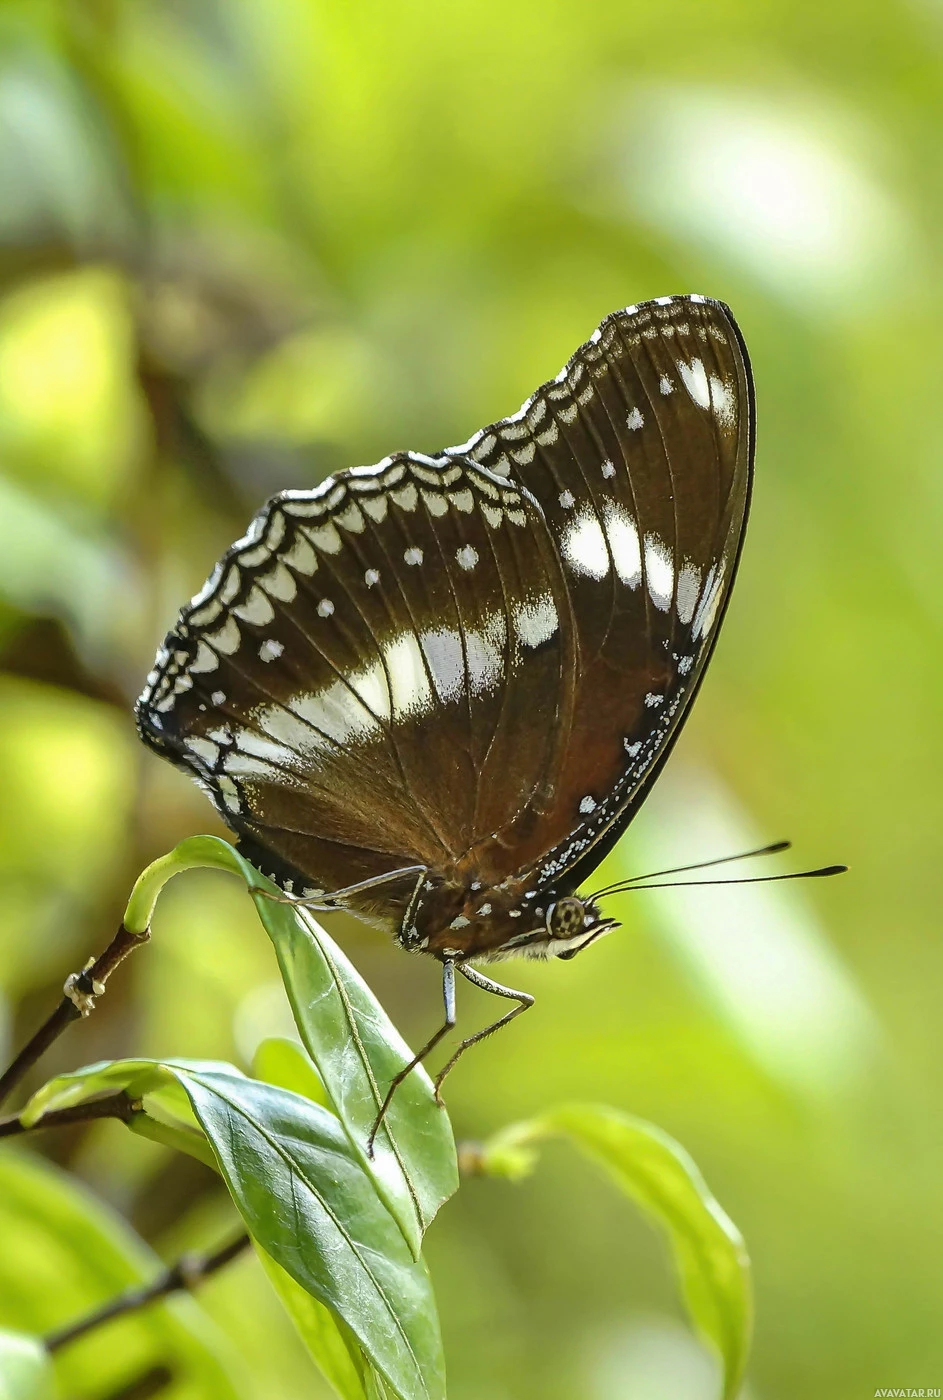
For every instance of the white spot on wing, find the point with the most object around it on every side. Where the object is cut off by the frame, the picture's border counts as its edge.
(227, 639)
(689, 587)
(707, 608)
(280, 583)
(326, 538)
(270, 649)
(446, 659)
(665, 385)
(205, 659)
(310, 718)
(536, 622)
(406, 498)
(659, 571)
(467, 556)
(204, 749)
(634, 420)
(408, 678)
(624, 544)
(325, 607)
(587, 805)
(301, 557)
(413, 555)
(485, 654)
(351, 518)
(202, 617)
(584, 545)
(435, 502)
(695, 381)
(373, 689)
(722, 402)
(256, 609)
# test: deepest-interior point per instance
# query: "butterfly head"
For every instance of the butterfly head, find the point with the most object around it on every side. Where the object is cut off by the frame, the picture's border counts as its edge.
(572, 924)
(560, 927)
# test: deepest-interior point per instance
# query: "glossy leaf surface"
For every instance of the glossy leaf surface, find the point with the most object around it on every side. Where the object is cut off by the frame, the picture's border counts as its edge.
(328, 1229)
(305, 1199)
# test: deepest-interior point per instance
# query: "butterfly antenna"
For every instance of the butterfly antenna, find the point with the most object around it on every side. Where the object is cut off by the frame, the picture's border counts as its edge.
(744, 880)
(629, 883)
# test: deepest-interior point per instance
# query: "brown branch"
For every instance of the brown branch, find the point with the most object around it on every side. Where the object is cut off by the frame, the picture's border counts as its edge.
(143, 1386)
(119, 1105)
(188, 1271)
(81, 989)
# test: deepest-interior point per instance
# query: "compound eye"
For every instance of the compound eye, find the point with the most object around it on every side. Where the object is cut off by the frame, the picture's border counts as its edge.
(566, 918)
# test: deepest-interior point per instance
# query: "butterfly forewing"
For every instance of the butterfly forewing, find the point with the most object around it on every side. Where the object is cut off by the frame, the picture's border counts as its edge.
(475, 662)
(352, 684)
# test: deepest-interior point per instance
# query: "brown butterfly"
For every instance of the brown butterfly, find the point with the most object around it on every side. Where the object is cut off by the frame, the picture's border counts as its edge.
(435, 691)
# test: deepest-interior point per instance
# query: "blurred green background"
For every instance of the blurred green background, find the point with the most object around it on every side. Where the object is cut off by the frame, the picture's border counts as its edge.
(247, 242)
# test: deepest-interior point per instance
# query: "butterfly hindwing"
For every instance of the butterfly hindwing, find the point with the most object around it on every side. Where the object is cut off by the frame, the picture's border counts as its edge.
(640, 456)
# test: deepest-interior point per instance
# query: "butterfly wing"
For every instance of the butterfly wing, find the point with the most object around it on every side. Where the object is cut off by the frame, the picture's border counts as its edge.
(476, 661)
(356, 684)
(640, 455)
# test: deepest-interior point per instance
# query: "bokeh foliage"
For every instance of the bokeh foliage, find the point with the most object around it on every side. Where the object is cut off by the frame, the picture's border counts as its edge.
(246, 242)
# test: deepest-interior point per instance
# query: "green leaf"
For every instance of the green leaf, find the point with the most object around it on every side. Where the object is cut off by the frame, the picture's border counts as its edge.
(137, 1077)
(333, 1348)
(167, 1116)
(25, 1368)
(63, 1254)
(348, 1035)
(329, 1229)
(283, 1062)
(305, 1199)
(358, 1052)
(660, 1177)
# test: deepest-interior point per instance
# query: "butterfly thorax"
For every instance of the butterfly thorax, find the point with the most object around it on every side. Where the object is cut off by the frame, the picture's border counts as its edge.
(467, 919)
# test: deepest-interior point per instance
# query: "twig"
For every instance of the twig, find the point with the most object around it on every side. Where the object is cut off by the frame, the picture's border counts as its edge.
(119, 1105)
(143, 1386)
(188, 1271)
(81, 989)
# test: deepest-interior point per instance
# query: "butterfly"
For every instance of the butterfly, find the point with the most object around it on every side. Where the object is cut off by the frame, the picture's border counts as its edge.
(435, 691)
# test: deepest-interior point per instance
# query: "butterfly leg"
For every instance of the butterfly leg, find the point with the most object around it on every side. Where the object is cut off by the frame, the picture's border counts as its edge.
(336, 898)
(478, 979)
(448, 997)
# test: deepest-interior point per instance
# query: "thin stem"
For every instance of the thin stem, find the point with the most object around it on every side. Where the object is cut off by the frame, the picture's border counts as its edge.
(196, 852)
(81, 989)
(119, 1105)
(143, 1386)
(188, 1271)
